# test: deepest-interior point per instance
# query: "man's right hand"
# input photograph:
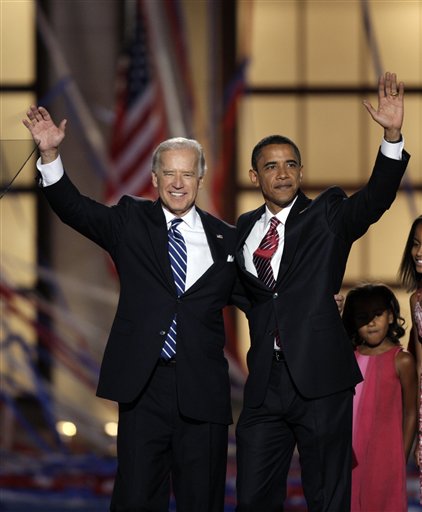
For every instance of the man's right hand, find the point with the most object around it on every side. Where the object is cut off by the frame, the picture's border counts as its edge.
(390, 111)
(45, 133)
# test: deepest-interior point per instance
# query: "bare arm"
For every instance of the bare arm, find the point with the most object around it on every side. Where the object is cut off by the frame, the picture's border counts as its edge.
(417, 342)
(45, 133)
(406, 370)
(390, 111)
(416, 339)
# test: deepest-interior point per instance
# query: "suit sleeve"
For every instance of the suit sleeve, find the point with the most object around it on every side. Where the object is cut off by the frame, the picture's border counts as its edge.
(100, 223)
(238, 297)
(351, 216)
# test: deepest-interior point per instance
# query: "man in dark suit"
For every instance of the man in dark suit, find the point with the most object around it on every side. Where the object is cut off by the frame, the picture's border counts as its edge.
(164, 361)
(302, 369)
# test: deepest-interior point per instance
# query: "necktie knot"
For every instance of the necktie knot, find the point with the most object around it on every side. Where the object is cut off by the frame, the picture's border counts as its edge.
(175, 222)
(274, 222)
(269, 243)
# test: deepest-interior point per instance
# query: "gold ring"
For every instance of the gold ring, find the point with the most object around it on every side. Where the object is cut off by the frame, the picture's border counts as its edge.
(394, 93)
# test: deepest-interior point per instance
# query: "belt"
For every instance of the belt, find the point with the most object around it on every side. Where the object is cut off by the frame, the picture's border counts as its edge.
(166, 362)
(278, 355)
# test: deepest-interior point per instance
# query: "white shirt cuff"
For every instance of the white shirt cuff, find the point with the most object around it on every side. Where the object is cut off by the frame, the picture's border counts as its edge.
(392, 150)
(52, 172)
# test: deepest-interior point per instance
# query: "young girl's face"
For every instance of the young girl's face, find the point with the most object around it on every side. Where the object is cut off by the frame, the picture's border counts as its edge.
(372, 320)
(416, 250)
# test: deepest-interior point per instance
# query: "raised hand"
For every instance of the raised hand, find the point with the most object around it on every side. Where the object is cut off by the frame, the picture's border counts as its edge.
(44, 132)
(390, 111)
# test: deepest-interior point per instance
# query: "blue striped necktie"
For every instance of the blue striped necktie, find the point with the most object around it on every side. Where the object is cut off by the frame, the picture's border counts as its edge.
(178, 261)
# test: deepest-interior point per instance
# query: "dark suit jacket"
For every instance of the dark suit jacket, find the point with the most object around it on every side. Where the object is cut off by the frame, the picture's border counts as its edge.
(318, 238)
(135, 234)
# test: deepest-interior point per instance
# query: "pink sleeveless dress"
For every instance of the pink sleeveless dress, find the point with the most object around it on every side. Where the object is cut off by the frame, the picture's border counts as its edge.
(379, 472)
(417, 314)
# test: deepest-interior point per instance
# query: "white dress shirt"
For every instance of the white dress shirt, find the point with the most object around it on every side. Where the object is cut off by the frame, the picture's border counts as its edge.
(199, 254)
(257, 234)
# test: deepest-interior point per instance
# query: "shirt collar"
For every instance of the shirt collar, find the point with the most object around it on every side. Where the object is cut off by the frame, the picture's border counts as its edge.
(281, 215)
(189, 218)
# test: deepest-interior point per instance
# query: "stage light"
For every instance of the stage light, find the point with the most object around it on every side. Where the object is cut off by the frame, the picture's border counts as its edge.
(110, 428)
(66, 428)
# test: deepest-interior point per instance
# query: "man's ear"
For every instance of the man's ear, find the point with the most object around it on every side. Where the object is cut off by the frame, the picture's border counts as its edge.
(154, 179)
(201, 182)
(253, 176)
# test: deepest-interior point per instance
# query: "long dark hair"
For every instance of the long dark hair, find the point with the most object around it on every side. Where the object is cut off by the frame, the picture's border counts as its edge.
(391, 304)
(407, 270)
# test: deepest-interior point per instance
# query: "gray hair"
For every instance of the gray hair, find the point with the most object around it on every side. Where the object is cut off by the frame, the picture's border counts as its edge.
(179, 143)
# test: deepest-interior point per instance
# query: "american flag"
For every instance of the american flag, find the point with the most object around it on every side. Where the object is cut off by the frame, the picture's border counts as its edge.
(232, 96)
(140, 117)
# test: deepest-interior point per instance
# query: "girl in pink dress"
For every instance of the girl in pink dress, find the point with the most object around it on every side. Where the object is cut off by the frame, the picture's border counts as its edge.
(410, 273)
(384, 406)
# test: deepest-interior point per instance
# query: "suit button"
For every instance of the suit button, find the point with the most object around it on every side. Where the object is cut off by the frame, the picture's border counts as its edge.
(275, 295)
(162, 333)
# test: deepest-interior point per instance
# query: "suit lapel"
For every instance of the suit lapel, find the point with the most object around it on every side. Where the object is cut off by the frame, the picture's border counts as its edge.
(292, 234)
(158, 233)
(244, 228)
(216, 243)
(214, 237)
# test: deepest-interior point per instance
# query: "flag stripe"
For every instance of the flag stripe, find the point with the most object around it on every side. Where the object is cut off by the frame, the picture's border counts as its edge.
(140, 116)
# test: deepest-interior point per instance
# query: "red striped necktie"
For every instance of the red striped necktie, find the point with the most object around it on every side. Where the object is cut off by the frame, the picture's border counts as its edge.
(262, 256)
(262, 259)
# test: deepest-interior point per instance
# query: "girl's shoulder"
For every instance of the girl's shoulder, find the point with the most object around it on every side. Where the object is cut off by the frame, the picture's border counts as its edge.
(402, 353)
(404, 361)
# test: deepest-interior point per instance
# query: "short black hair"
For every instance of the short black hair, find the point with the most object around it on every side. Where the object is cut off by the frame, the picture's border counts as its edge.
(273, 139)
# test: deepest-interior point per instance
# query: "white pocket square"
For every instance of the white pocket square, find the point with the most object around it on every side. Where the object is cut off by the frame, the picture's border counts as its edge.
(230, 258)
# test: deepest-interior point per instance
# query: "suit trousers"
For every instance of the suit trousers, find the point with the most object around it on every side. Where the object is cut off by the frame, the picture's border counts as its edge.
(267, 436)
(158, 450)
